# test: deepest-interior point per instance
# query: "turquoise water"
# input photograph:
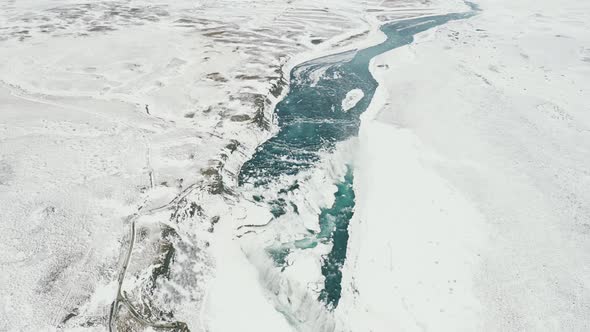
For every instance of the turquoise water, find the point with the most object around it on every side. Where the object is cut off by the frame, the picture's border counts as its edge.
(334, 228)
(310, 117)
(311, 121)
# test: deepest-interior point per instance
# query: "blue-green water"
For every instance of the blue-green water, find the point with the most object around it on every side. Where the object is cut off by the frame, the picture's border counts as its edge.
(310, 117)
(334, 227)
(311, 121)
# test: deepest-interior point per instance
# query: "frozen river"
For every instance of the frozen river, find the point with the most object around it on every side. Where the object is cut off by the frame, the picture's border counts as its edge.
(312, 122)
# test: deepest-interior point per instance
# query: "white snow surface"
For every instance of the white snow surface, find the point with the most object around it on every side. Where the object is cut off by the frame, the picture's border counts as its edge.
(472, 184)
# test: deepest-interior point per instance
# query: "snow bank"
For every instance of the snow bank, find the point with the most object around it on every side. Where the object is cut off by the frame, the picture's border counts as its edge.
(472, 190)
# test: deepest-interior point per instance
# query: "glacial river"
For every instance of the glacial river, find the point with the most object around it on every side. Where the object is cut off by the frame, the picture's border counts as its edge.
(311, 122)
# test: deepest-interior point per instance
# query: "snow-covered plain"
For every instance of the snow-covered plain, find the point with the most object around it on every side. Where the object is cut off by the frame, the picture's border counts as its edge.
(473, 178)
(470, 170)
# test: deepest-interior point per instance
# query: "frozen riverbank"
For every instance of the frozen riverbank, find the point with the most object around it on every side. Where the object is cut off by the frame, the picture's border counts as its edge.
(472, 182)
(292, 174)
